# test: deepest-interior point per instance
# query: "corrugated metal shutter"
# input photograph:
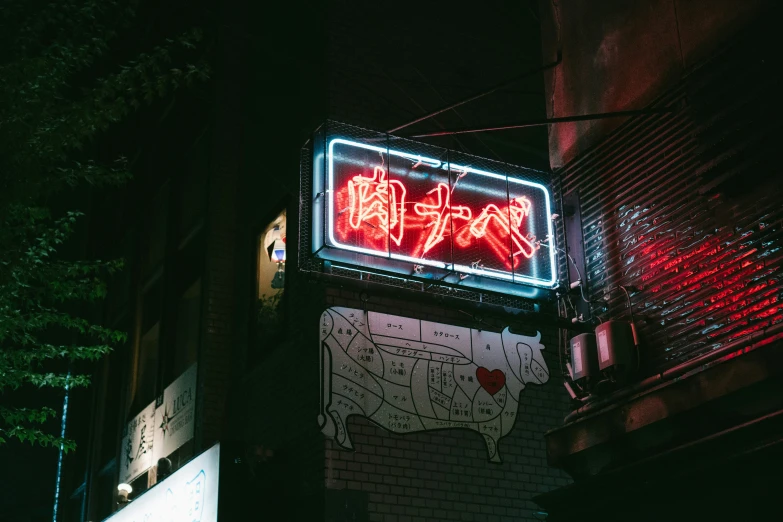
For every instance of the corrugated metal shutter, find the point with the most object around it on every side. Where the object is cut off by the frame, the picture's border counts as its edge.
(688, 207)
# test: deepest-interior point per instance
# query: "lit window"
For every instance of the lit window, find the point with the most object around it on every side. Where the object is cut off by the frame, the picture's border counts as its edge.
(271, 282)
(271, 258)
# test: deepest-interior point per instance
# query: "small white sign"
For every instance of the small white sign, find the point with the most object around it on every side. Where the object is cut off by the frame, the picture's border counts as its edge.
(189, 495)
(603, 346)
(576, 354)
(175, 414)
(136, 455)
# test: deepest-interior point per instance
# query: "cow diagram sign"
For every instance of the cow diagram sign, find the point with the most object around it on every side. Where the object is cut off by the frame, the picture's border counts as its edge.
(408, 375)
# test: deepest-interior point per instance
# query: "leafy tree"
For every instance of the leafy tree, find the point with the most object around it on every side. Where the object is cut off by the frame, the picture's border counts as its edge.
(61, 85)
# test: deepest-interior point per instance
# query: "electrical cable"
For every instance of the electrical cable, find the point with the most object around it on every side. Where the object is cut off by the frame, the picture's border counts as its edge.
(581, 288)
(437, 93)
(417, 104)
(633, 328)
(573, 307)
(560, 343)
(578, 273)
(628, 296)
(581, 282)
(562, 337)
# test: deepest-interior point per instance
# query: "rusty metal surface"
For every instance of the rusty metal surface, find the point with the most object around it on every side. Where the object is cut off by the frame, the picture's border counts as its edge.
(675, 412)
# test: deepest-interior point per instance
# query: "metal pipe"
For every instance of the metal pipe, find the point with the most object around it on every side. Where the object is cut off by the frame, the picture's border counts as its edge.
(569, 390)
(550, 121)
(474, 97)
(676, 371)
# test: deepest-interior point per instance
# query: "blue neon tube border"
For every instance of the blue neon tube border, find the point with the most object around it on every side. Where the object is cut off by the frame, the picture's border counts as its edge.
(508, 276)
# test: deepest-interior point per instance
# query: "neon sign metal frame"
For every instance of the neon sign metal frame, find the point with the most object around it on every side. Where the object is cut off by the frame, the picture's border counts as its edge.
(507, 276)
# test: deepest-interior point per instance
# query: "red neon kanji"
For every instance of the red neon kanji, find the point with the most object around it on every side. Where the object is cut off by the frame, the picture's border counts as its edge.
(377, 197)
(510, 222)
(378, 217)
(440, 214)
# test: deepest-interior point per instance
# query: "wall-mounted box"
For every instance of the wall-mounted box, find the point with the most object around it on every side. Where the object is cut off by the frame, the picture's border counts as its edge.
(584, 356)
(616, 350)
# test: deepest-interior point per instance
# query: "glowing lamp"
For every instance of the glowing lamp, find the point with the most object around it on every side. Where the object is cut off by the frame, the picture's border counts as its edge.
(278, 251)
(123, 490)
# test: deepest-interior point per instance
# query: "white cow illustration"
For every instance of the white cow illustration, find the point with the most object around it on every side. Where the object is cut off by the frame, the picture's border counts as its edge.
(409, 375)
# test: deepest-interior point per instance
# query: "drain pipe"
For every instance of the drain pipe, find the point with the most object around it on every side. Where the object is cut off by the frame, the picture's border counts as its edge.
(752, 341)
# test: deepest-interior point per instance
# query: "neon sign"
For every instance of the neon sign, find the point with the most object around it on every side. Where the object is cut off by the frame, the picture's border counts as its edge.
(420, 212)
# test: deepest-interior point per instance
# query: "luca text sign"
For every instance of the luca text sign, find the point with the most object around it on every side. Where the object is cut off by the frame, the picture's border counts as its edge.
(175, 414)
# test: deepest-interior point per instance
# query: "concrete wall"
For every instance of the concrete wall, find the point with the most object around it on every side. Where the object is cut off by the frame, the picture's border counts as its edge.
(619, 55)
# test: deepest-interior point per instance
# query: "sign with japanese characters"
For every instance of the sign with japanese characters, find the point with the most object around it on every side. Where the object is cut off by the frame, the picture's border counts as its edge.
(408, 375)
(429, 214)
(136, 453)
(188, 495)
(174, 414)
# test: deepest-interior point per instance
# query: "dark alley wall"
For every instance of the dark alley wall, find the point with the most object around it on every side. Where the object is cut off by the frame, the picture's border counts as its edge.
(684, 206)
(439, 475)
(620, 55)
(220, 167)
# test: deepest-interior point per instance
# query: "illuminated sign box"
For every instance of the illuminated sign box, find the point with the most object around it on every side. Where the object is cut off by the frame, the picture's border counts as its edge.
(189, 494)
(400, 206)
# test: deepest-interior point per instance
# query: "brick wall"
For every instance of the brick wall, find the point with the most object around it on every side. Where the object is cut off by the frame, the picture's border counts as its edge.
(445, 475)
(215, 361)
(219, 300)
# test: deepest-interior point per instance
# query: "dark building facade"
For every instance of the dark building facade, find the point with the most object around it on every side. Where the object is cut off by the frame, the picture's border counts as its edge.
(683, 208)
(210, 308)
(225, 293)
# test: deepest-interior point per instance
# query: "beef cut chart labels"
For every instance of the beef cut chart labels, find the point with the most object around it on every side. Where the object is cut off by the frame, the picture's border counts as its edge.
(409, 375)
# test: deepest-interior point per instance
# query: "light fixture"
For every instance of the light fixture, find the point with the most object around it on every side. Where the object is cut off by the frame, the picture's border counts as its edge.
(123, 490)
(278, 251)
(164, 468)
(274, 243)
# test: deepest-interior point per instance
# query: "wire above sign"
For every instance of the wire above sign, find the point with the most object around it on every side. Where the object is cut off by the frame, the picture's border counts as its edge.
(412, 208)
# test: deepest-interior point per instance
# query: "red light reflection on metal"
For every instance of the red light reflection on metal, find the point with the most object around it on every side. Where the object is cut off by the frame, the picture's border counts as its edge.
(717, 286)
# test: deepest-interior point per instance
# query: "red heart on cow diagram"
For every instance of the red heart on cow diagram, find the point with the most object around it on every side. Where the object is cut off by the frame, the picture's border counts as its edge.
(492, 381)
